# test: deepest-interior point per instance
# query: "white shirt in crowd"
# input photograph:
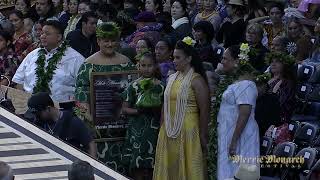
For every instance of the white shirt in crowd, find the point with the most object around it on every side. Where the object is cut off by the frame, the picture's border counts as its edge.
(63, 82)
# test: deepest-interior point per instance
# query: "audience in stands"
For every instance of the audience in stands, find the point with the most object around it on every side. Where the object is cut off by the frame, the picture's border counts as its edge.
(54, 46)
(180, 20)
(84, 40)
(45, 9)
(9, 61)
(21, 38)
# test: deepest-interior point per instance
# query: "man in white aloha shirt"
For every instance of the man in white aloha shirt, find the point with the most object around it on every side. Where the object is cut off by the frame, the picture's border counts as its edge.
(62, 84)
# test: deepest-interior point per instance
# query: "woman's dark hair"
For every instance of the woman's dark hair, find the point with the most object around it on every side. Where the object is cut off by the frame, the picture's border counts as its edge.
(149, 44)
(157, 72)
(169, 42)
(18, 14)
(234, 51)
(240, 10)
(289, 72)
(5, 35)
(27, 2)
(195, 63)
(207, 28)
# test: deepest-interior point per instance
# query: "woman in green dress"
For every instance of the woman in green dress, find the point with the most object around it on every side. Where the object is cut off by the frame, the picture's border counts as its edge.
(105, 60)
(143, 101)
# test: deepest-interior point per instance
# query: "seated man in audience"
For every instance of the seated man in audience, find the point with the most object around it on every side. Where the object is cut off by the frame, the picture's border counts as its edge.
(45, 9)
(50, 69)
(81, 170)
(62, 124)
(6, 172)
(84, 40)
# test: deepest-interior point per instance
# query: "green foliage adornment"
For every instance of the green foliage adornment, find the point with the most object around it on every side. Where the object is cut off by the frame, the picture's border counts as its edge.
(108, 30)
(146, 84)
(213, 124)
(263, 78)
(280, 57)
(45, 74)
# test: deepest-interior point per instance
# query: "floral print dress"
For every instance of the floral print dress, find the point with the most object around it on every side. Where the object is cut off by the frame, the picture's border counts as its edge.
(9, 64)
(142, 133)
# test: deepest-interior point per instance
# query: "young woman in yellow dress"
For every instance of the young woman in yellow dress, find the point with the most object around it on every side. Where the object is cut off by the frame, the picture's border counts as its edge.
(182, 141)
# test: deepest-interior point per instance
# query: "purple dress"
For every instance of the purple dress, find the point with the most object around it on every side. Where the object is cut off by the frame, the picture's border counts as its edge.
(165, 67)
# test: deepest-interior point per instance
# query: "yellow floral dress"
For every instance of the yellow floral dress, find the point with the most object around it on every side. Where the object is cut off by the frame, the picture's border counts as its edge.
(180, 158)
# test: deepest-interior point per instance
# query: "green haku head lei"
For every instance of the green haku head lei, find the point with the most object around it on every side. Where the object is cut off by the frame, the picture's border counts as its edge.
(281, 57)
(108, 30)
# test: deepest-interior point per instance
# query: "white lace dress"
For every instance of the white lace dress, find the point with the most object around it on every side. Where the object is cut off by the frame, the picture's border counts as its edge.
(242, 92)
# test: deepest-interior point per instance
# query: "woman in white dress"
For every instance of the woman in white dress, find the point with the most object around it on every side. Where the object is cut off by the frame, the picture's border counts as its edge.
(238, 132)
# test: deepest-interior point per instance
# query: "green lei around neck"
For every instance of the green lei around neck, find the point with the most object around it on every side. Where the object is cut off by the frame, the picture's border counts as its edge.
(45, 74)
(213, 124)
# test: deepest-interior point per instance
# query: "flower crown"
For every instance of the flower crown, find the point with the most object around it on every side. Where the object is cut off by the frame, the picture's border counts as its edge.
(244, 53)
(245, 66)
(189, 41)
(281, 57)
(108, 30)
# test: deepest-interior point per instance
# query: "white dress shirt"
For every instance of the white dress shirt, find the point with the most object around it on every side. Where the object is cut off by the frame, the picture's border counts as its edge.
(63, 82)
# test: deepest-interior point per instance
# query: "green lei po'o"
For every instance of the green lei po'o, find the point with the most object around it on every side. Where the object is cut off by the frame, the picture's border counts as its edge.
(45, 74)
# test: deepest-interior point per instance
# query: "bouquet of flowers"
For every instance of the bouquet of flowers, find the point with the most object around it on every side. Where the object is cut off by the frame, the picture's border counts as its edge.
(147, 98)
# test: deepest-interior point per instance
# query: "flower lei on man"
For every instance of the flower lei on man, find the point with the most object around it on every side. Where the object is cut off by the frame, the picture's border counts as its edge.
(45, 74)
(244, 67)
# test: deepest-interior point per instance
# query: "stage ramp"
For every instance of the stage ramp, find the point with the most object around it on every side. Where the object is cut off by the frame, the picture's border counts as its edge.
(36, 155)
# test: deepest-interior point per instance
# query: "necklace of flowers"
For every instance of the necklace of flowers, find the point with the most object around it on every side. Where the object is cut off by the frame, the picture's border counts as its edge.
(45, 74)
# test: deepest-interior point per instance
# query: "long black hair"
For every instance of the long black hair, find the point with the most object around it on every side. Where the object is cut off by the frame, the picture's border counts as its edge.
(195, 61)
